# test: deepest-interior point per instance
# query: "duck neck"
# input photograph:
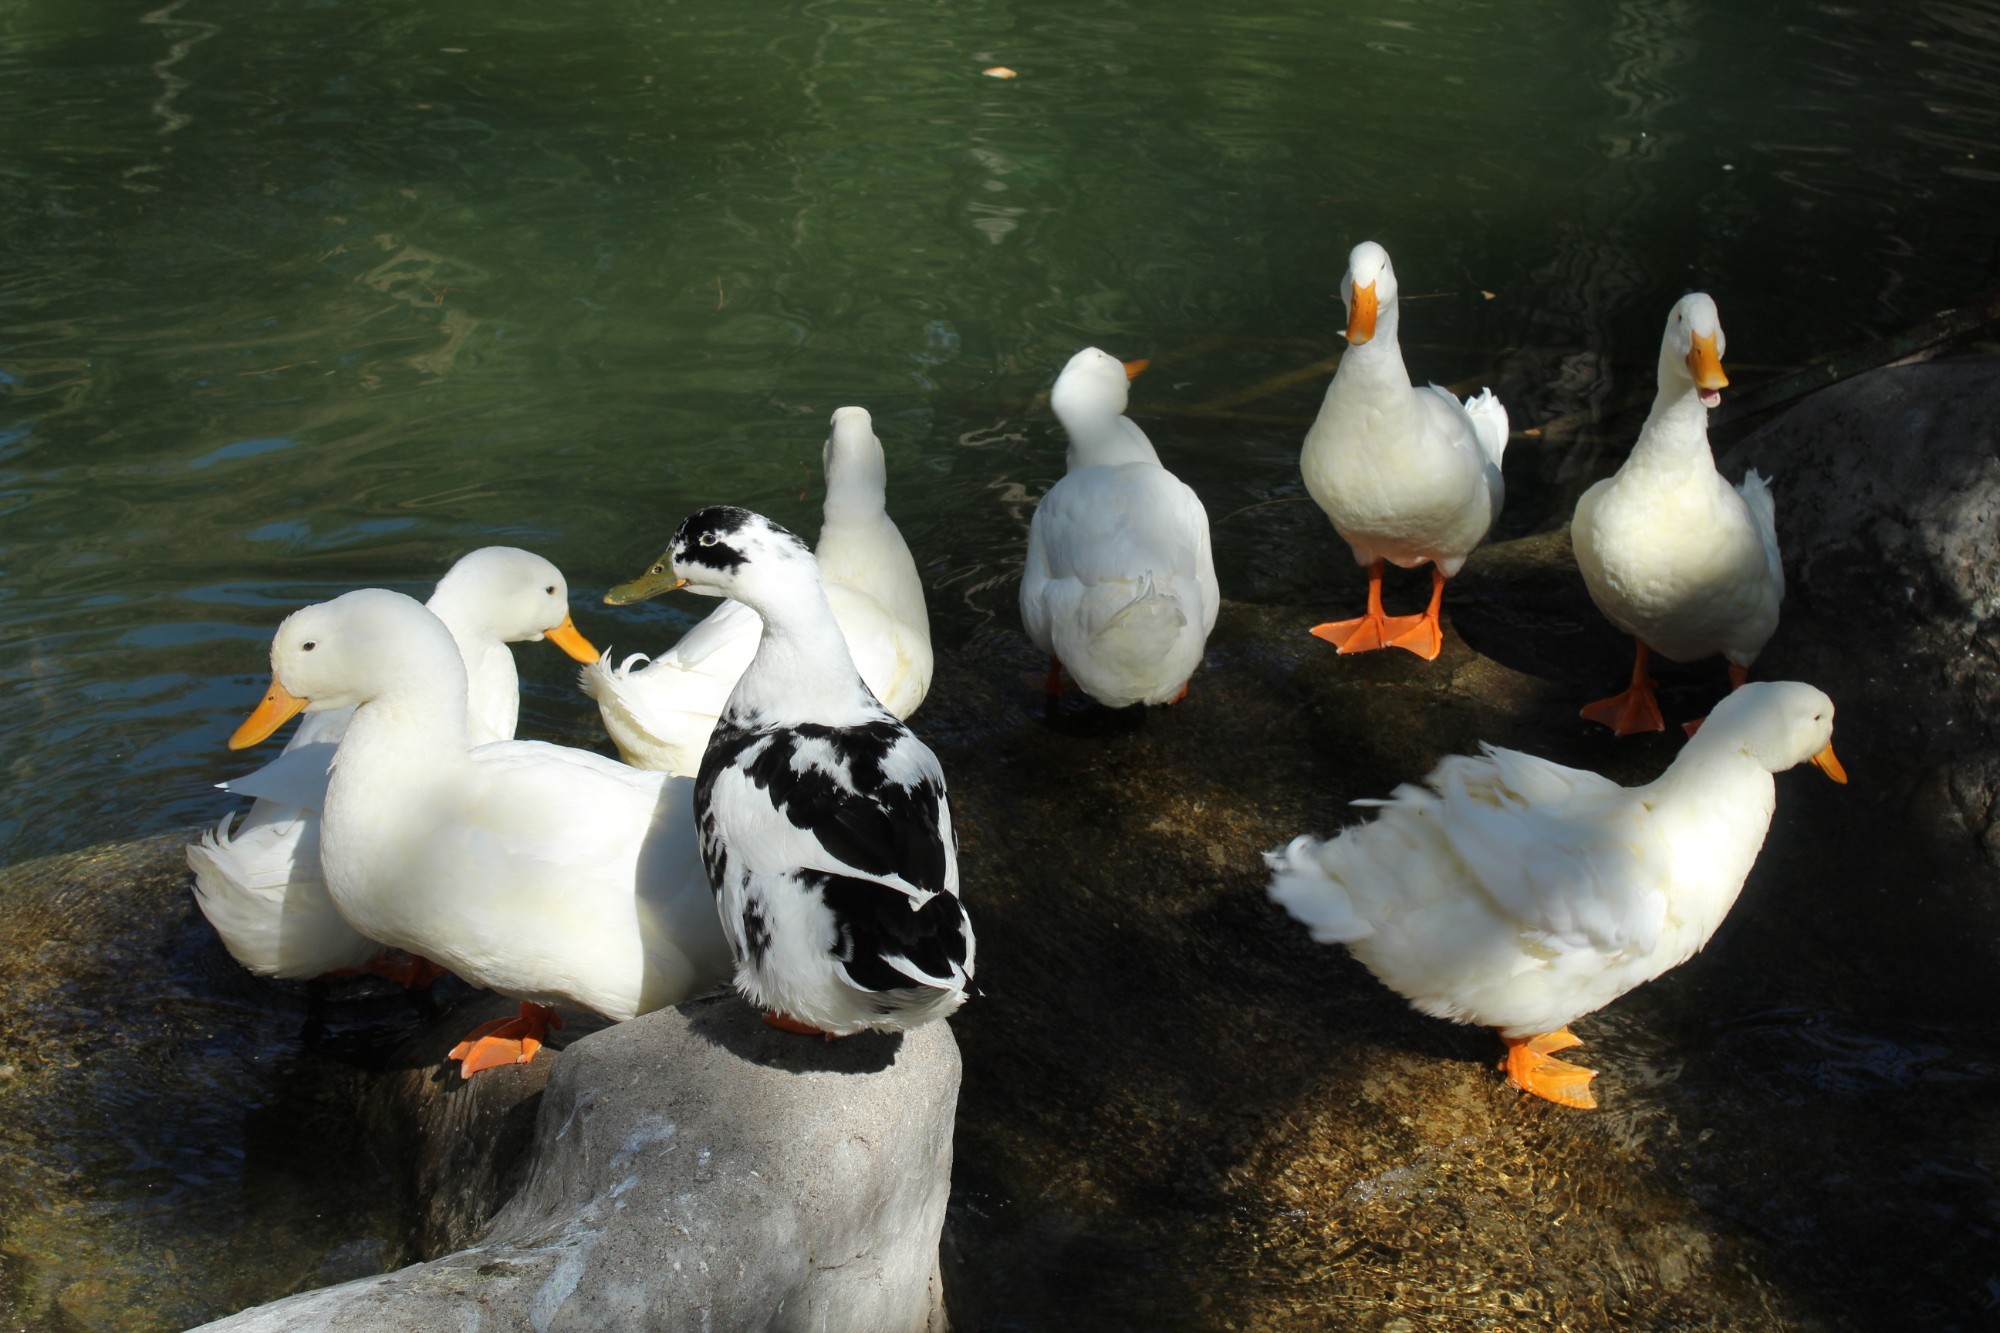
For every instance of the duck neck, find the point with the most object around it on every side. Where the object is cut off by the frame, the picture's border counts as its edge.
(422, 719)
(803, 669)
(851, 524)
(493, 685)
(1376, 365)
(1100, 439)
(1675, 435)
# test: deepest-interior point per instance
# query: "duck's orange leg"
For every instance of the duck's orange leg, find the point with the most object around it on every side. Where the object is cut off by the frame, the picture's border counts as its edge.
(786, 1023)
(1739, 676)
(1371, 629)
(406, 969)
(1635, 709)
(1050, 684)
(1425, 638)
(506, 1041)
(411, 971)
(1532, 1067)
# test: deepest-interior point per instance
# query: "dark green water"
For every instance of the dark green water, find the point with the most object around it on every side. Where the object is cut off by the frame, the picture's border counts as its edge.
(301, 297)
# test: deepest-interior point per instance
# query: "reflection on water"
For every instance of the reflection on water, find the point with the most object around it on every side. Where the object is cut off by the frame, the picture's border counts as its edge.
(308, 297)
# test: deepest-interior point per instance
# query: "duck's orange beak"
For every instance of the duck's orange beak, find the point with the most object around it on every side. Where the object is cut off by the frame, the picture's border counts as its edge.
(1361, 320)
(1826, 763)
(1705, 363)
(566, 637)
(1134, 368)
(278, 708)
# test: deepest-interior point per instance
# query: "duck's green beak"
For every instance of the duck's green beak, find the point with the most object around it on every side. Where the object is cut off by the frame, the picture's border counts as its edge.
(660, 578)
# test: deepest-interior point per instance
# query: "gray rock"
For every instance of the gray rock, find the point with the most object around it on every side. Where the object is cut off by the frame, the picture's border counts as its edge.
(692, 1169)
(1888, 489)
(1900, 470)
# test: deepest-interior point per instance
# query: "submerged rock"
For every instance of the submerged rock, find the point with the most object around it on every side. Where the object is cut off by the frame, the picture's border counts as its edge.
(694, 1168)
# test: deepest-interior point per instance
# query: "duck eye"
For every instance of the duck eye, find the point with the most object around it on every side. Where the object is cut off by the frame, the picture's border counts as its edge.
(307, 646)
(709, 539)
(550, 590)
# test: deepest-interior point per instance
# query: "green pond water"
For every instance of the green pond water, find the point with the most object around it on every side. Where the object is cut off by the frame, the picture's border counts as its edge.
(301, 297)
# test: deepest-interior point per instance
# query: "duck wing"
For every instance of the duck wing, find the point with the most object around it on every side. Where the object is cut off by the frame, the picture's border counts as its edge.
(1570, 855)
(865, 801)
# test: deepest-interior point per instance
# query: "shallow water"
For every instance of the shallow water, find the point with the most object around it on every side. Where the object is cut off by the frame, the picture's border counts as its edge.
(301, 298)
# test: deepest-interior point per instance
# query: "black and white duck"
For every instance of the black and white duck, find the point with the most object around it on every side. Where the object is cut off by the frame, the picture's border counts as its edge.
(823, 820)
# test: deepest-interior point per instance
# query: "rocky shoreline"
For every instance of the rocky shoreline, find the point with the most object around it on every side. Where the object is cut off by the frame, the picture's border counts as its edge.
(1176, 1110)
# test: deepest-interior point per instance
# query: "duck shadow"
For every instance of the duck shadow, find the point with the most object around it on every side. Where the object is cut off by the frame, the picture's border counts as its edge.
(723, 1019)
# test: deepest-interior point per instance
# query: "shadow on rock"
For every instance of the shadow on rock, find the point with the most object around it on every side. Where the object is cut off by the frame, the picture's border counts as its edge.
(714, 1019)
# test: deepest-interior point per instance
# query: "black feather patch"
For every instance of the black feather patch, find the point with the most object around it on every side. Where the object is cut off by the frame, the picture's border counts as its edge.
(756, 934)
(875, 922)
(877, 826)
(713, 537)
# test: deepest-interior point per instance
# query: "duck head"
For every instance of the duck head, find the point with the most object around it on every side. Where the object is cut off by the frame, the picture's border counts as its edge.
(856, 471)
(1778, 723)
(516, 595)
(723, 551)
(1368, 285)
(1691, 349)
(347, 652)
(1094, 385)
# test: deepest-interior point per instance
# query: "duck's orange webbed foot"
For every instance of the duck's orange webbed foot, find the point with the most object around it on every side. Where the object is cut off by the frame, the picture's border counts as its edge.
(506, 1041)
(1366, 633)
(1371, 629)
(786, 1023)
(1532, 1067)
(1425, 637)
(1628, 713)
(1633, 709)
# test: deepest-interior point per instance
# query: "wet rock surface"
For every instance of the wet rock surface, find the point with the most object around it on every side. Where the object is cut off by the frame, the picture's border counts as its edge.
(1178, 1112)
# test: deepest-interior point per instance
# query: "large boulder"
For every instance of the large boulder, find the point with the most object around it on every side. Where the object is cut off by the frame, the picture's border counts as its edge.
(1888, 489)
(692, 1169)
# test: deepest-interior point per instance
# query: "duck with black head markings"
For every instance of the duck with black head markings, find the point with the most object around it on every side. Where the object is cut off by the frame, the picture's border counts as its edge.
(660, 711)
(823, 820)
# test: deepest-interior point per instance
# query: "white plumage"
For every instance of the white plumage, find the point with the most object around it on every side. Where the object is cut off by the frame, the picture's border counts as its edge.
(1671, 553)
(824, 821)
(660, 712)
(1519, 894)
(545, 873)
(260, 884)
(1119, 584)
(1409, 476)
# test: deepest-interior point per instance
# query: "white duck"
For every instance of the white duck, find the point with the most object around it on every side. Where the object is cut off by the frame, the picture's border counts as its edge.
(660, 714)
(1671, 553)
(1519, 894)
(546, 873)
(1119, 585)
(1409, 476)
(260, 885)
(824, 821)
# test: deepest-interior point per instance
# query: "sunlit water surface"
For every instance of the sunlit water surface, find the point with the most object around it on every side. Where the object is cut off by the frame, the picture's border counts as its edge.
(298, 298)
